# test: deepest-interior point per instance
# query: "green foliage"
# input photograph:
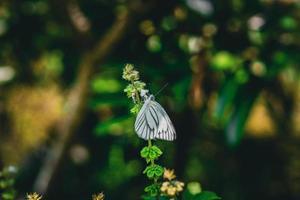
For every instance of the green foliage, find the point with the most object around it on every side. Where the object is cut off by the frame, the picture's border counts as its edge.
(151, 153)
(114, 125)
(288, 23)
(134, 88)
(205, 195)
(194, 192)
(118, 169)
(7, 181)
(152, 190)
(224, 61)
(105, 85)
(225, 55)
(154, 171)
(155, 198)
(136, 108)
(236, 123)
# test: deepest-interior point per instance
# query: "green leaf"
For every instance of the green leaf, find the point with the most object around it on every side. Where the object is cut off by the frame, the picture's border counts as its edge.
(152, 190)
(180, 91)
(154, 171)
(241, 76)
(136, 108)
(150, 173)
(107, 101)
(206, 195)
(157, 150)
(159, 171)
(288, 23)
(9, 195)
(146, 197)
(135, 87)
(225, 99)
(115, 125)
(106, 85)
(145, 152)
(224, 60)
(150, 153)
(242, 107)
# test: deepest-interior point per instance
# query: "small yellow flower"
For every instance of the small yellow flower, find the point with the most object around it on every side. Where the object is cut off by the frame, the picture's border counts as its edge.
(99, 196)
(169, 174)
(164, 186)
(179, 186)
(171, 188)
(171, 191)
(34, 196)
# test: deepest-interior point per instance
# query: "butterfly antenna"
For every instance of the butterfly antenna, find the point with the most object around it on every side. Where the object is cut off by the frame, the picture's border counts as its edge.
(161, 89)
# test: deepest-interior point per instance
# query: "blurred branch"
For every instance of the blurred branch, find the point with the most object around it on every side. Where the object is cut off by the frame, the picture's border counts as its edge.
(77, 18)
(71, 15)
(77, 98)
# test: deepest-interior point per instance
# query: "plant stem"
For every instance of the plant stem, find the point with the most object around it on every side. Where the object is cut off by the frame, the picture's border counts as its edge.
(152, 161)
(150, 145)
(139, 101)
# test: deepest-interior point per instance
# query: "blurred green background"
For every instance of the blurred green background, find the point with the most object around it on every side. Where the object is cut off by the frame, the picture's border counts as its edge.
(233, 94)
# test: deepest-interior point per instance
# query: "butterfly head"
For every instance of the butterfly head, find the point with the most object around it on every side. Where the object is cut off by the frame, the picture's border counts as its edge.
(145, 95)
(151, 97)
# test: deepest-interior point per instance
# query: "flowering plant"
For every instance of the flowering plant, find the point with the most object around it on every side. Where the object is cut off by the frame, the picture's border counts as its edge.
(164, 184)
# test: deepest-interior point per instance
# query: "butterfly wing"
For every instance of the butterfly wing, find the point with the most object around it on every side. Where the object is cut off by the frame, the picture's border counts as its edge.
(146, 122)
(153, 122)
(165, 130)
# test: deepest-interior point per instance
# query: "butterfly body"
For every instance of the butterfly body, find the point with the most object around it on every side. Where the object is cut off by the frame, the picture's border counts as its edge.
(153, 122)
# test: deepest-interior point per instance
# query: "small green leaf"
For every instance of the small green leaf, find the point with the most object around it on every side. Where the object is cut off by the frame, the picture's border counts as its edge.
(152, 190)
(156, 150)
(154, 171)
(145, 152)
(136, 108)
(226, 96)
(159, 171)
(150, 173)
(150, 153)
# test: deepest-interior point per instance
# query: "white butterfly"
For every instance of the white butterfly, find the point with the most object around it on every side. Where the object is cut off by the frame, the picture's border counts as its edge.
(152, 121)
